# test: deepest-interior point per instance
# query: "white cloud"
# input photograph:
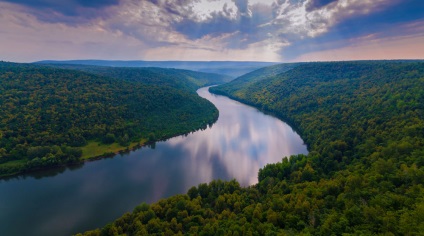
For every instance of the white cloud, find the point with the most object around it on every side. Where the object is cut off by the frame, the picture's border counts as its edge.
(205, 9)
(196, 29)
(263, 2)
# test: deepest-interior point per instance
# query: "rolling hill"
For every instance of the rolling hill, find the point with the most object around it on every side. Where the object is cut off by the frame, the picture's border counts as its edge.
(183, 79)
(49, 115)
(229, 68)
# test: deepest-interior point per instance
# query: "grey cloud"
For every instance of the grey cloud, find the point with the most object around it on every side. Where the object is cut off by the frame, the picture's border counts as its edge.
(174, 22)
(65, 7)
(71, 12)
(243, 8)
(247, 23)
(316, 4)
(150, 21)
(176, 7)
(215, 26)
(97, 3)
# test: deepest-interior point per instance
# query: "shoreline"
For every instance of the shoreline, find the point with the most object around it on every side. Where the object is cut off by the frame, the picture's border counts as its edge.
(82, 160)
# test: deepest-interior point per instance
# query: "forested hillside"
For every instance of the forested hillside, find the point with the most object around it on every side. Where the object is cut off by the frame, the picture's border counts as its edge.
(364, 126)
(183, 79)
(48, 115)
(249, 79)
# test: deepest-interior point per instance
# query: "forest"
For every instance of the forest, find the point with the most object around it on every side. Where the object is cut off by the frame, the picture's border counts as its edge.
(176, 78)
(48, 114)
(363, 123)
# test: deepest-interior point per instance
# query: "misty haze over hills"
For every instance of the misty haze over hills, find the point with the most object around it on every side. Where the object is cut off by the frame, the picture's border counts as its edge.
(231, 68)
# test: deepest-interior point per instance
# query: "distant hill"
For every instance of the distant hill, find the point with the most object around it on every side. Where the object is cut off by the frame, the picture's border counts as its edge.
(253, 77)
(230, 68)
(187, 79)
(49, 115)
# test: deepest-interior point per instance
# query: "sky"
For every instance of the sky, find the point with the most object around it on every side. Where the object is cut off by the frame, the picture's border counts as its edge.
(211, 30)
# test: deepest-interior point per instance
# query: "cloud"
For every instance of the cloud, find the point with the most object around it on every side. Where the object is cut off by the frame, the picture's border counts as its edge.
(371, 47)
(316, 4)
(66, 11)
(65, 7)
(348, 23)
(26, 39)
(289, 27)
(243, 8)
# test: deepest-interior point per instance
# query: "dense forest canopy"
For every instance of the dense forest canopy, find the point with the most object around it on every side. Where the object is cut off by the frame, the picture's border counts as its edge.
(251, 78)
(364, 175)
(48, 113)
(176, 78)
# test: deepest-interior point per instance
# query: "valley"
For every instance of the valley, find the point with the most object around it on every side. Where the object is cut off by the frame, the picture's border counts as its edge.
(208, 164)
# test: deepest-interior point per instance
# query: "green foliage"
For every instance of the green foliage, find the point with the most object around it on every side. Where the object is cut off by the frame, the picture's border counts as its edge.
(47, 113)
(251, 78)
(364, 126)
(174, 78)
(346, 110)
(108, 138)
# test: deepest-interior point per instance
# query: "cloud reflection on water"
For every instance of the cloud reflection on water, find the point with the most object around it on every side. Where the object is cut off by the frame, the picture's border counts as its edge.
(241, 141)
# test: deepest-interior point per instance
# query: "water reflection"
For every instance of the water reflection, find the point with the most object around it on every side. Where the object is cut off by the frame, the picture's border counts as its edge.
(242, 141)
(89, 196)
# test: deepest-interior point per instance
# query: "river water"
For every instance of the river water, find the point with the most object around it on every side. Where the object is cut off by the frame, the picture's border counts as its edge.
(70, 200)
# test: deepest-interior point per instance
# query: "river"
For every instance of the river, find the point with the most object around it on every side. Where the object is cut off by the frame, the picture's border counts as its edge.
(76, 199)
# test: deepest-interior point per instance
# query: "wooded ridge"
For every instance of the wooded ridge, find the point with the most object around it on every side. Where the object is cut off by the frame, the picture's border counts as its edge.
(49, 114)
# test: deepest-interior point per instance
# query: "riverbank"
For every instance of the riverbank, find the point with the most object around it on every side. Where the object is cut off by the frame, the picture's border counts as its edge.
(83, 197)
(94, 150)
(296, 128)
(49, 112)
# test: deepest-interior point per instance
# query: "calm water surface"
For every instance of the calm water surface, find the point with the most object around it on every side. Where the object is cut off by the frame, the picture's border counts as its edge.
(71, 200)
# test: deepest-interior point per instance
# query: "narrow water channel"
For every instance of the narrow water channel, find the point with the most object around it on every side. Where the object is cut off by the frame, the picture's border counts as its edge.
(77, 199)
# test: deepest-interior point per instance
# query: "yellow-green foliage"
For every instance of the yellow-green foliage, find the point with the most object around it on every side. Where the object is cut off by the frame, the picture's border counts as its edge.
(96, 148)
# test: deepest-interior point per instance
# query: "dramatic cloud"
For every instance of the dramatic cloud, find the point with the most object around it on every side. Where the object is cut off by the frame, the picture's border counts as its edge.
(315, 4)
(69, 11)
(205, 29)
(65, 7)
